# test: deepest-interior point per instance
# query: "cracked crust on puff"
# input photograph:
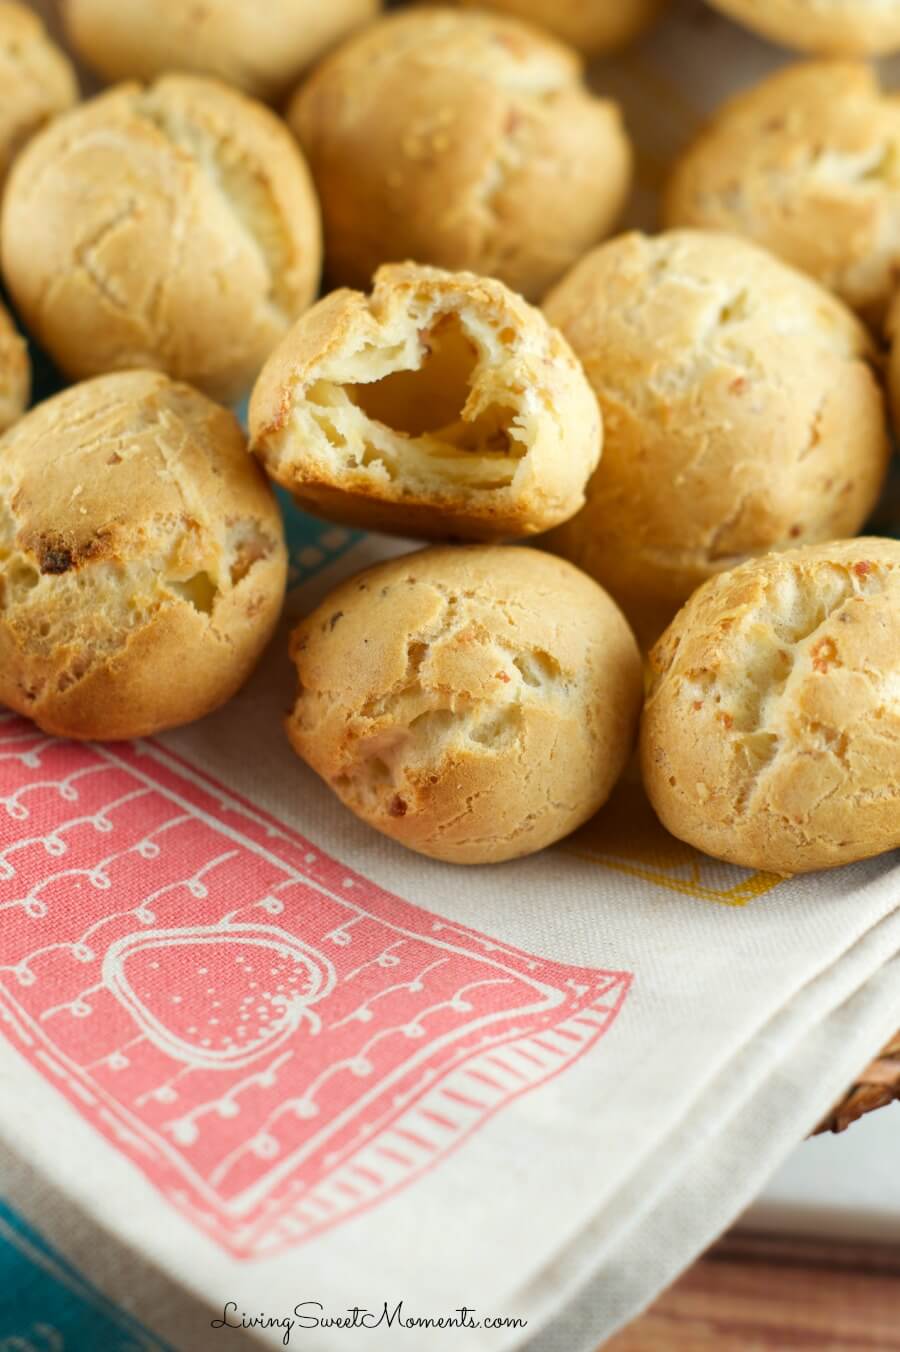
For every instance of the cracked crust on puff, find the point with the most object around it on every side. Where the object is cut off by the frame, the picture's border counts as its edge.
(475, 704)
(440, 406)
(36, 80)
(806, 163)
(142, 558)
(741, 414)
(261, 47)
(771, 733)
(173, 228)
(461, 139)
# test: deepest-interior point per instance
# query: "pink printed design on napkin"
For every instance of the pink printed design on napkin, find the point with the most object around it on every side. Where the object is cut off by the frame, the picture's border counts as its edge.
(273, 1040)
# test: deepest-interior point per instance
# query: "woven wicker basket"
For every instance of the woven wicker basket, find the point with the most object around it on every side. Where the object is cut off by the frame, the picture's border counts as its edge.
(878, 1086)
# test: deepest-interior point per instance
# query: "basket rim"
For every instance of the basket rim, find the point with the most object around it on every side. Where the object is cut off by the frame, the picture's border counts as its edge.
(877, 1087)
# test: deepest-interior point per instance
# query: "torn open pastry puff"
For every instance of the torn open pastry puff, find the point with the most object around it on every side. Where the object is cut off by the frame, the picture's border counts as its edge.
(440, 406)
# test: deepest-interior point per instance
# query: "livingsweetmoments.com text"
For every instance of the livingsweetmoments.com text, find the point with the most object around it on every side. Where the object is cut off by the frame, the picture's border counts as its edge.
(311, 1314)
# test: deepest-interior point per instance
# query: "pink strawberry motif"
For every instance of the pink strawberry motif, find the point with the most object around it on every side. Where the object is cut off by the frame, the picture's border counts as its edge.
(161, 960)
(217, 996)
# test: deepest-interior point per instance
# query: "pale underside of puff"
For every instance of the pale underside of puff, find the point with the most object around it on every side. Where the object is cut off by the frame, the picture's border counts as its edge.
(827, 27)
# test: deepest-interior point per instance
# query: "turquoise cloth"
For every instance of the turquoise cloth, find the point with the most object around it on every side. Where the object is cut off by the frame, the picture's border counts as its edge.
(46, 1305)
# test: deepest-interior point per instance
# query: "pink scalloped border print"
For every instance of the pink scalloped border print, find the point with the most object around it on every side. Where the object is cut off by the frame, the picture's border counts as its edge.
(275, 1042)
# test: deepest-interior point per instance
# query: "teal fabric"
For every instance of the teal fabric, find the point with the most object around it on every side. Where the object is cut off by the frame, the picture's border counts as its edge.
(46, 1305)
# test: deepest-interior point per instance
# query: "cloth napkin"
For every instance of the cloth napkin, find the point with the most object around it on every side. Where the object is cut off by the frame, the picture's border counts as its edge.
(535, 1090)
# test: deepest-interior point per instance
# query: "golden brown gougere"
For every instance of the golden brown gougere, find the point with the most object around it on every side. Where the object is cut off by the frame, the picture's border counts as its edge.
(142, 558)
(15, 372)
(172, 227)
(474, 703)
(464, 139)
(806, 163)
(772, 724)
(36, 80)
(593, 28)
(740, 409)
(259, 46)
(828, 27)
(440, 406)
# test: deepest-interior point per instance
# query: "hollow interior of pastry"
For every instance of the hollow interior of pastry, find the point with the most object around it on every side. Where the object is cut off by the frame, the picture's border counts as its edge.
(245, 544)
(429, 412)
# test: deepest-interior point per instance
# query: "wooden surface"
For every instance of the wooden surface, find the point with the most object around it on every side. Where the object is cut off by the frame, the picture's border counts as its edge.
(764, 1293)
